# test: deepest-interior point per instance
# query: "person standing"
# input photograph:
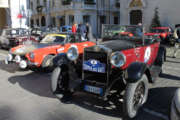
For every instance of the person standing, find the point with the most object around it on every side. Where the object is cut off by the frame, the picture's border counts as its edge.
(89, 35)
(176, 36)
(74, 28)
(87, 32)
(81, 30)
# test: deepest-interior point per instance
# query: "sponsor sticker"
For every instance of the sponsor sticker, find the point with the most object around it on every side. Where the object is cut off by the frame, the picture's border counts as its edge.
(147, 54)
(60, 50)
(94, 66)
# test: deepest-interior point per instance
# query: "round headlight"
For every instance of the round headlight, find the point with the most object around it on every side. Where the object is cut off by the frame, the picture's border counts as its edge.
(72, 53)
(17, 58)
(31, 55)
(118, 59)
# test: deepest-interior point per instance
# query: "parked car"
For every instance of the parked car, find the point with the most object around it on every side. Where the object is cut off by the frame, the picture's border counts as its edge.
(38, 33)
(175, 106)
(42, 57)
(66, 28)
(126, 59)
(165, 33)
(26, 39)
(9, 36)
(17, 54)
(37, 57)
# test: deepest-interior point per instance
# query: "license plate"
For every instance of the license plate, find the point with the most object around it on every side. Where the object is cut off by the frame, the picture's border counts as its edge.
(93, 89)
(94, 66)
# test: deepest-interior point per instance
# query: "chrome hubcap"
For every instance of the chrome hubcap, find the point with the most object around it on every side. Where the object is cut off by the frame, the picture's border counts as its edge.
(139, 95)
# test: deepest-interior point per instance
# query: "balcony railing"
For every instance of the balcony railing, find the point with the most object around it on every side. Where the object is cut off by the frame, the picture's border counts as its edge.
(90, 2)
(88, 6)
(39, 8)
(66, 2)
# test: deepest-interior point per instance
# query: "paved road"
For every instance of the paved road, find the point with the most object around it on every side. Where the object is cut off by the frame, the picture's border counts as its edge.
(25, 95)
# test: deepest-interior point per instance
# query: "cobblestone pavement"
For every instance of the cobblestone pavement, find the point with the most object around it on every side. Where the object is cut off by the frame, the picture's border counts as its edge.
(25, 95)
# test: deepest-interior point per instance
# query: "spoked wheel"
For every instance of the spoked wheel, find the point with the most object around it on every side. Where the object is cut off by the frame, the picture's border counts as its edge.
(135, 96)
(139, 96)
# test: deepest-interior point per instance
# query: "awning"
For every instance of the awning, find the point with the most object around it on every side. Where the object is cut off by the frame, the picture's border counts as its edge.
(4, 3)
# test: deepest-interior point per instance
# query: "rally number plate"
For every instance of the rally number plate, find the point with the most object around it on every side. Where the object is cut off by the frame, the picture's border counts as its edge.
(93, 89)
(94, 66)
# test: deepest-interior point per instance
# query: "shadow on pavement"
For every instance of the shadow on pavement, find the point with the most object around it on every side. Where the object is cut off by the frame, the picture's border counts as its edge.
(172, 61)
(35, 83)
(7, 112)
(11, 68)
(111, 107)
(168, 76)
(159, 100)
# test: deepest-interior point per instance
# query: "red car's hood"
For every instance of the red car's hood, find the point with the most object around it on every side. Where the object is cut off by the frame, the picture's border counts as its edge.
(151, 34)
(24, 49)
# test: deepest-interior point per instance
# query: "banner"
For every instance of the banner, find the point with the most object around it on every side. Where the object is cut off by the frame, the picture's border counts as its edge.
(4, 3)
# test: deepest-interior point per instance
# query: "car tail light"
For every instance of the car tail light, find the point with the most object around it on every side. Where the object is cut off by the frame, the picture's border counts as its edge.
(163, 35)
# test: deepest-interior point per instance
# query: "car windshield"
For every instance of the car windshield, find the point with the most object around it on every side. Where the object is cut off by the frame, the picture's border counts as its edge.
(53, 39)
(117, 32)
(159, 30)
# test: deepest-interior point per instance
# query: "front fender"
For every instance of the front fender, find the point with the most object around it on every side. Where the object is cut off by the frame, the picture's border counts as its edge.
(135, 71)
(60, 59)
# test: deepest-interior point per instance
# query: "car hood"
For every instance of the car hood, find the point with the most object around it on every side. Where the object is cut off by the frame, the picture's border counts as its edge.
(24, 49)
(112, 46)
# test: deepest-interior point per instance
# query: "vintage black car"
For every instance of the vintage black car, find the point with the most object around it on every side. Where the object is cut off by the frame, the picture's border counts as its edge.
(126, 60)
(8, 37)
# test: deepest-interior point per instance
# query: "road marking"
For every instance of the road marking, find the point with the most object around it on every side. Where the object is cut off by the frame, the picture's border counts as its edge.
(160, 115)
(172, 68)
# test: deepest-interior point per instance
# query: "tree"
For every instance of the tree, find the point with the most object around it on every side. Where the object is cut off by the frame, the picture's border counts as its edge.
(156, 20)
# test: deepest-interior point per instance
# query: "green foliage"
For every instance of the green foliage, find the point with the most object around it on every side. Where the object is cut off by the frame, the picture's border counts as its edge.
(156, 20)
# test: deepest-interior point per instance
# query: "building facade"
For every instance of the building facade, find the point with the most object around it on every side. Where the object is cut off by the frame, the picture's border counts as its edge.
(5, 14)
(97, 12)
(18, 13)
(142, 11)
(66, 12)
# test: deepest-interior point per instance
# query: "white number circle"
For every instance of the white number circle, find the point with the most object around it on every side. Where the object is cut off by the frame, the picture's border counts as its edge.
(147, 54)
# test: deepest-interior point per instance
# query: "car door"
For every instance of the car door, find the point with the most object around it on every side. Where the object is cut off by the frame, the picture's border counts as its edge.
(151, 50)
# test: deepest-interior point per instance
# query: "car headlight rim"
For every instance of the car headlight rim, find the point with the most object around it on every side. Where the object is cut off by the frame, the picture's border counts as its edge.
(120, 62)
(72, 53)
(17, 58)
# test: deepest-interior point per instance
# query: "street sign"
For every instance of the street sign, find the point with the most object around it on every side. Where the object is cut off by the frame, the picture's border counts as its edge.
(4, 3)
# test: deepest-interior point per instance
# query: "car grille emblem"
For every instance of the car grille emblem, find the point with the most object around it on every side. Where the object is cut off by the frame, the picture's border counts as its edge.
(94, 62)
